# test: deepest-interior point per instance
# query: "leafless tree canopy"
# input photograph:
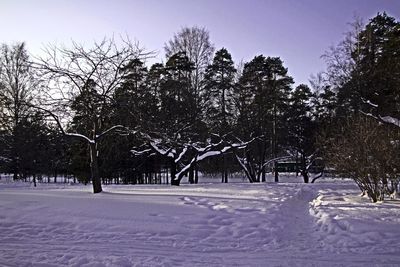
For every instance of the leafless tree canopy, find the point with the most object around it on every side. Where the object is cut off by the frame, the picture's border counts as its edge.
(17, 84)
(195, 42)
(84, 79)
(367, 152)
(340, 63)
(67, 71)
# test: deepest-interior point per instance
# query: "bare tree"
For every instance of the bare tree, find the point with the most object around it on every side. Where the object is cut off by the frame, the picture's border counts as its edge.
(342, 58)
(367, 152)
(17, 87)
(195, 43)
(80, 84)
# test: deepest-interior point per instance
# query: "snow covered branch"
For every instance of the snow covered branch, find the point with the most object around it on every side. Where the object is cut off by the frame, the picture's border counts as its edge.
(170, 152)
(184, 157)
(113, 128)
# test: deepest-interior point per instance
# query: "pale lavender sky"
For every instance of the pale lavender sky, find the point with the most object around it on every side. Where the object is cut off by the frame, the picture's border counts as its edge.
(297, 31)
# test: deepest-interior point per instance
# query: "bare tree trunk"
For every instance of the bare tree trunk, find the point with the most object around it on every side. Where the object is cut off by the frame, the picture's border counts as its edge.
(304, 171)
(305, 176)
(274, 147)
(174, 181)
(196, 174)
(276, 173)
(34, 180)
(191, 175)
(94, 168)
(225, 174)
(14, 157)
(317, 177)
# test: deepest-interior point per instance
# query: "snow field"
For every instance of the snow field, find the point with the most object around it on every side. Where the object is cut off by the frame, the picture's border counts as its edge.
(284, 224)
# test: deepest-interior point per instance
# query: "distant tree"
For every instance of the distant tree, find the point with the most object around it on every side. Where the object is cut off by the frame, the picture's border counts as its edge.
(131, 97)
(153, 82)
(195, 43)
(376, 75)
(178, 107)
(262, 97)
(137, 104)
(363, 69)
(301, 128)
(324, 101)
(34, 157)
(17, 87)
(178, 111)
(342, 58)
(219, 86)
(56, 155)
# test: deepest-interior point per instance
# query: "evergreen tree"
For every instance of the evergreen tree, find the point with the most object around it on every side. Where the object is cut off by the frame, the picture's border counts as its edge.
(178, 107)
(371, 63)
(301, 128)
(130, 98)
(219, 98)
(377, 74)
(219, 86)
(262, 99)
(154, 79)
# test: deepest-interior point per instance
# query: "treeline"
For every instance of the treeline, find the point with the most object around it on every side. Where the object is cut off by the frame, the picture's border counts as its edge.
(101, 114)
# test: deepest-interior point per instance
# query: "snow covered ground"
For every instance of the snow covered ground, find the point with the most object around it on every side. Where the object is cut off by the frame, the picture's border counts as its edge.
(238, 224)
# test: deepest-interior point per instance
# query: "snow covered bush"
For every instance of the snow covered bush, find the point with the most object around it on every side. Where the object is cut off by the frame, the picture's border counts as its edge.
(366, 151)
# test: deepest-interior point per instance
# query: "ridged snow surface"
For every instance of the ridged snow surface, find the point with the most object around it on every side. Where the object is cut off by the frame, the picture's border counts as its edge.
(238, 224)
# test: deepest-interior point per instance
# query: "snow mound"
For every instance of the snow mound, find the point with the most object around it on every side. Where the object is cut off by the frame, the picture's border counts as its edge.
(351, 223)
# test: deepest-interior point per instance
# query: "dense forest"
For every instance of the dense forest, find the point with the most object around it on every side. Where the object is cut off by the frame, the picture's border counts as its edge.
(101, 114)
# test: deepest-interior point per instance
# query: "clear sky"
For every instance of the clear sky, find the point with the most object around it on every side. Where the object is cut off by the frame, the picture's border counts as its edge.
(298, 31)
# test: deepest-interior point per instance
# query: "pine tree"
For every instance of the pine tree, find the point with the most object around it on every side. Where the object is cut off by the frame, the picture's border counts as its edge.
(219, 99)
(372, 85)
(377, 75)
(177, 100)
(219, 85)
(301, 127)
(131, 98)
(262, 98)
